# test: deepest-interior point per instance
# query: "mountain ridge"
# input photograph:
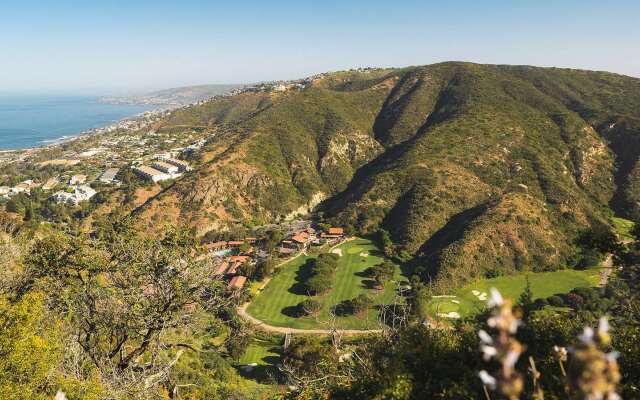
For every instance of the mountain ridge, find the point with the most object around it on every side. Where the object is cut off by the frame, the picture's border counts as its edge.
(539, 152)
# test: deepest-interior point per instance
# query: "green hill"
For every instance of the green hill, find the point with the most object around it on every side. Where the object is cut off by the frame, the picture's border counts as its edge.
(475, 170)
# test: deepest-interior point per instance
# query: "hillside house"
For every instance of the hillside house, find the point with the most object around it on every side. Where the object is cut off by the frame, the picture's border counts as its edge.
(333, 233)
(77, 179)
(50, 184)
(221, 269)
(80, 193)
(237, 282)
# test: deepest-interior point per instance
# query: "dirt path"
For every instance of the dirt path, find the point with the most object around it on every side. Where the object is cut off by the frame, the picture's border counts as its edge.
(607, 269)
(258, 324)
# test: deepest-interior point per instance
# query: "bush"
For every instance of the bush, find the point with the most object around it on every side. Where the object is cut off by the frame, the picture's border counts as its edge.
(590, 258)
(309, 307)
(556, 301)
(574, 301)
(540, 303)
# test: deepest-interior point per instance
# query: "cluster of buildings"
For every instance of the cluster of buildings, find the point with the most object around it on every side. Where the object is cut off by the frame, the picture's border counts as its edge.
(233, 254)
(22, 187)
(162, 169)
(79, 193)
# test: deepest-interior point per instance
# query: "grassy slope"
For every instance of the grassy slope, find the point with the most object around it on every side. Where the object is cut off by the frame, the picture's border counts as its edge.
(277, 296)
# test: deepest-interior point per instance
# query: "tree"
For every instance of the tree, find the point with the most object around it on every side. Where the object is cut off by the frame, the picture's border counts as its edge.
(122, 294)
(526, 300)
(383, 272)
(309, 307)
(319, 283)
(361, 303)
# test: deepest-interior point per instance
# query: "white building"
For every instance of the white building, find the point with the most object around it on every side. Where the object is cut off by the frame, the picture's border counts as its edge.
(151, 173)
(77, 180)
(81, 193)
(165, 167)
(182, 165)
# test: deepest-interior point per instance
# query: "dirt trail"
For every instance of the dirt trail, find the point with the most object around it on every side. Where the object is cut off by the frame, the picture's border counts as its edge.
(607, 269)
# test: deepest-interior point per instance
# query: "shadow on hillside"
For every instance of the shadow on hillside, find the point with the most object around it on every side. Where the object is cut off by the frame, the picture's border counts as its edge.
(451, 232)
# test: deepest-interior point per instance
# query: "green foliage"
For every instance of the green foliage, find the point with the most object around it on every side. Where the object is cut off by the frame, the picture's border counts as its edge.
(382, 273)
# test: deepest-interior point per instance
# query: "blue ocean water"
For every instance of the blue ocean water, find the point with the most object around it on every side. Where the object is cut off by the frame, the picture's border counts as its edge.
(30, 121)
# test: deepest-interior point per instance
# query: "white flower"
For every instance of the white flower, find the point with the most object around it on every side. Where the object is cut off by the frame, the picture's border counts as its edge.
(587, 335)
(495, 299)
(488, 352)
(603, 326)
(613, 396)
(612, 357)
(511, 359)
(485, 337)
(560, 350)
(60, 396)
(487, 379)
(513, 327)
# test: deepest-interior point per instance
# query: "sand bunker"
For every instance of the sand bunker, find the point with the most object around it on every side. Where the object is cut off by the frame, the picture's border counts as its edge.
(451, 314)
(337, 251)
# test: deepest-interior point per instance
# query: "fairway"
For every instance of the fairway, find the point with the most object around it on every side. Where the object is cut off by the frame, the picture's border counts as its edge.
(472, 298)
(276, 304)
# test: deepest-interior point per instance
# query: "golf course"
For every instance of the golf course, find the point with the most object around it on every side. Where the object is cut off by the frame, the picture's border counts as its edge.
(277, 303)
(472, 298)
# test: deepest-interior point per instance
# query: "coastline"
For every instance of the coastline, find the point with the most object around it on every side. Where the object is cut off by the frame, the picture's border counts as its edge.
(114, 125)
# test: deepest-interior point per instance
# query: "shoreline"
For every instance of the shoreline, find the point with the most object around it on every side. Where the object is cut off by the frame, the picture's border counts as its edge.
(52, 143)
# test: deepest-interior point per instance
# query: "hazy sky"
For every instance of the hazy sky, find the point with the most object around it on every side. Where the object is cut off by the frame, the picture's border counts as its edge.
(102, 46)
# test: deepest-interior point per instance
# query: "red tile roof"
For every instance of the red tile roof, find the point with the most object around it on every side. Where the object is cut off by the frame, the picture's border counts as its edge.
(215, 245)
(221, 268)
(237, 281)
(336, 231)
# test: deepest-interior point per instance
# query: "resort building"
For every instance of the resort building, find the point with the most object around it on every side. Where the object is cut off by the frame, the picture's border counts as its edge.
(165, 167)
(237, 282)
(151, 173)
(182, 166)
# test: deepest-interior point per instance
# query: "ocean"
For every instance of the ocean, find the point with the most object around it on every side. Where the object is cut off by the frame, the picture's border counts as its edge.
(31, 121)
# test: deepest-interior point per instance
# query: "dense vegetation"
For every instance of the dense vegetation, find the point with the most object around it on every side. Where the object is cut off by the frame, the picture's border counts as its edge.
(472, 170)
(465, 174)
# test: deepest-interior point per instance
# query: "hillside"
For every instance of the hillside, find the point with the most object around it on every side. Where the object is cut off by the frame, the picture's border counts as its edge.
(174, 96)
(473, 169)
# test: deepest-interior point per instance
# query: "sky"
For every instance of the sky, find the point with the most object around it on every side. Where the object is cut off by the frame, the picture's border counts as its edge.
(118, 46)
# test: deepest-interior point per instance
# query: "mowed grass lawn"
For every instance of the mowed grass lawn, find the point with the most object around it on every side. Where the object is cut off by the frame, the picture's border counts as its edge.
(276, 304)
(543, 284)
